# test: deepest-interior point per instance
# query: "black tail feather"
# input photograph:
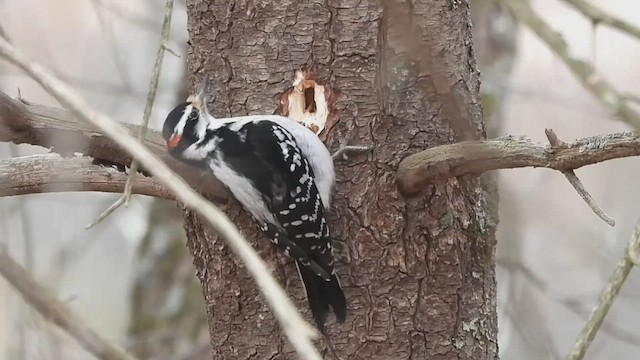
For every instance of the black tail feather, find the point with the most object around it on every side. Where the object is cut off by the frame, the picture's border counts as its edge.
(321, 295)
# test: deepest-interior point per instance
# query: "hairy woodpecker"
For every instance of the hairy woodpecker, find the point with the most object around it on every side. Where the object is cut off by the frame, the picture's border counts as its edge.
(281, 173)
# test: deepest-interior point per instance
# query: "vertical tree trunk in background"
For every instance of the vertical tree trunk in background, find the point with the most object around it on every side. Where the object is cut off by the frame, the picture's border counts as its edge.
(495, 37)
(418, 272)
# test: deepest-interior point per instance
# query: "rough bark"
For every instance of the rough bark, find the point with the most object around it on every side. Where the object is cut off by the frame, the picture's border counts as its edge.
(418, 272)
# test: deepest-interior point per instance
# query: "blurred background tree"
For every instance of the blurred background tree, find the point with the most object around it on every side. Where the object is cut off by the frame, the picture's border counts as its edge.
(130, 277)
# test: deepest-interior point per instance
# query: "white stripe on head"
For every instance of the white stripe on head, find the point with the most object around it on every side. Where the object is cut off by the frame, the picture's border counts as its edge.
(183, 120)
(204, 119)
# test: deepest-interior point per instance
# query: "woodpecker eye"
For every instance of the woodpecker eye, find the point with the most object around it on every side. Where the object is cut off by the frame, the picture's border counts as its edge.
(194, 115)
(172, 122)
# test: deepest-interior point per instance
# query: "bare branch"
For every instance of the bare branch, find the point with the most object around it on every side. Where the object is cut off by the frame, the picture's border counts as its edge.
(556, 144)
(59, 130)
(57, 312)
(606, 299)
(119, 61)
(598, 16)
(577, 184)
(3, 34)
(166, 47)
(151, 96)
(576, 307)
(475, 157)
(299, 333)
(153, 89)
(600, 88)
(632, 97)
(53, 173)
(108, 211)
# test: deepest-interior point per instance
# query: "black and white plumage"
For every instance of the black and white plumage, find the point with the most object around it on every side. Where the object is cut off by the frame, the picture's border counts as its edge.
(281, 173)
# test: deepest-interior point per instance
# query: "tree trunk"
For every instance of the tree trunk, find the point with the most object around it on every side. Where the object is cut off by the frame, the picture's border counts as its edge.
(418, 271)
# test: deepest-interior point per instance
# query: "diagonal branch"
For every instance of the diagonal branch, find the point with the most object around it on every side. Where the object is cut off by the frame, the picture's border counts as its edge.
(598, 16)
(153, 89)
(600, 88)
(299, 332)
(151, 97)
(573, 305)
(57, 312)
(52, 173)
(148, 107)
(607, 297)
(58, 129)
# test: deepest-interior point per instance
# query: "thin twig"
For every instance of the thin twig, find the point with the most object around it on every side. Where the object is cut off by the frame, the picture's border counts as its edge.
(577, 184)
(3, 34)
(556, 144)
(103, 215)
(594, 45)
(576, 307)
(28, 260)
(632, 97)
(345, 149)
(147, 23)
(598, 16)
(119, 62)
(171, 51)
(153, 89)
(600, 88)
(606, 299)
(58, 312)
(299, 333)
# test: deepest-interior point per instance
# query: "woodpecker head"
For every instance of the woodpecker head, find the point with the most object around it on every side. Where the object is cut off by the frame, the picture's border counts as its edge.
(187, 122)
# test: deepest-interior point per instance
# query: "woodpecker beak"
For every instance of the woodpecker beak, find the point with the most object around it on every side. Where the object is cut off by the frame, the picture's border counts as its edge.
(173, 142)
(199, 99)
